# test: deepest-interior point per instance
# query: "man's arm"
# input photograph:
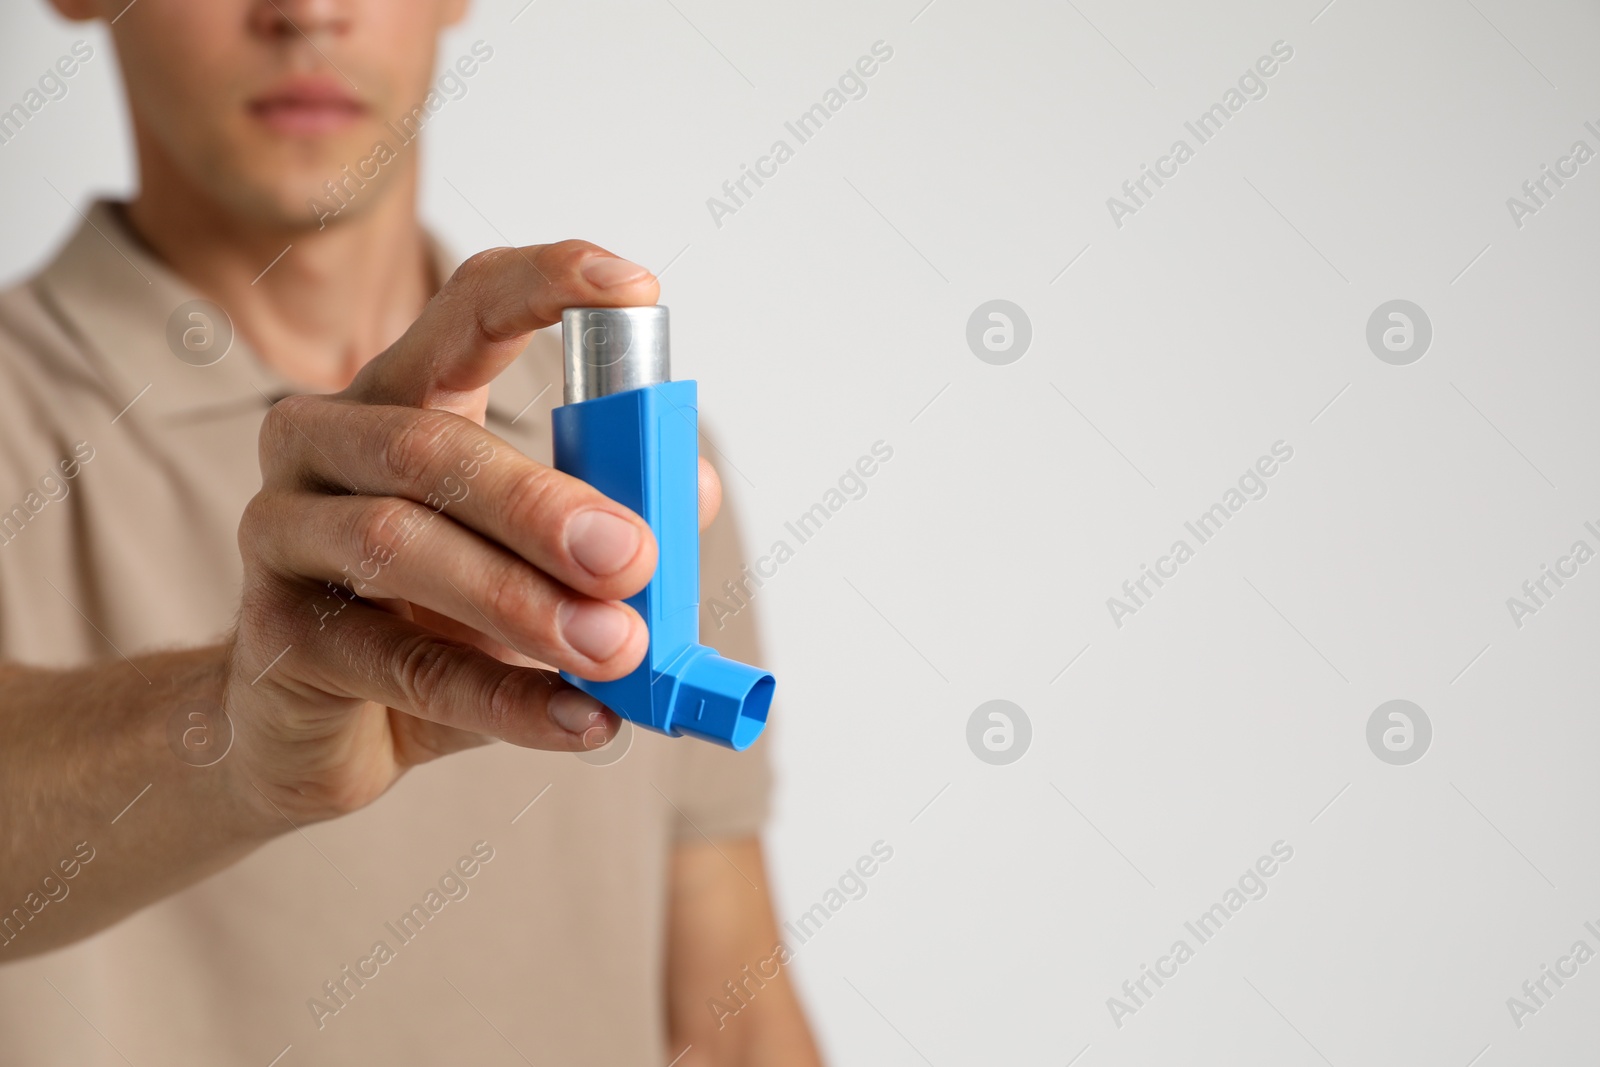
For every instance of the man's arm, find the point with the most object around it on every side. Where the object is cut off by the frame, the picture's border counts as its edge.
(98, 817)
(729, 998)
(404, 570)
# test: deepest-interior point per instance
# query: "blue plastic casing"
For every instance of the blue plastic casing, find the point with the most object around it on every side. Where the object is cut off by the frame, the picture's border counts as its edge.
(640, 448)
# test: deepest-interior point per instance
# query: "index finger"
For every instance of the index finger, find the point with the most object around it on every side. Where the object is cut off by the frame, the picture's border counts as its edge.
(480, 320)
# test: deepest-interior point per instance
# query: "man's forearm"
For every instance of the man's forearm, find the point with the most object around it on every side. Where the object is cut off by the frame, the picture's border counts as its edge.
(730, 1001)
(98, 815)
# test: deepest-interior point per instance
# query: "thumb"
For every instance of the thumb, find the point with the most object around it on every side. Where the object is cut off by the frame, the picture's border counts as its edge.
(479, 322)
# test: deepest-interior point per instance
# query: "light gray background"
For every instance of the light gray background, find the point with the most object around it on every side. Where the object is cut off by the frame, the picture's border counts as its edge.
(1226, 315)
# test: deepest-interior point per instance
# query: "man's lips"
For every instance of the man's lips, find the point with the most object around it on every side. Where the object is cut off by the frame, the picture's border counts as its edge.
(307, 107)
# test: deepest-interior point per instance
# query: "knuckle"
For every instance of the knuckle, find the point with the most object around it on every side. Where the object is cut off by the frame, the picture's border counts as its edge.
(506, 707)
(472, 288)
(256, 524)
(375, 525)
(424, 668)
(515, 599)
(279, 429)
(478, 268)
(563, 257)
(534, 501)
(408, 452)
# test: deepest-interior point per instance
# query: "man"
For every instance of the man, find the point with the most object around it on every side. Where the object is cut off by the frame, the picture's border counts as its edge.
(217, 673)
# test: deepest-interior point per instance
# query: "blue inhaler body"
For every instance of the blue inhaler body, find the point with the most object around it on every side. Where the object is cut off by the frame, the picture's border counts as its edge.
(631, 432)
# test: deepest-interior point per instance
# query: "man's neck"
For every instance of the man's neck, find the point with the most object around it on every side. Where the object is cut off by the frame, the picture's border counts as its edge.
(315, 305)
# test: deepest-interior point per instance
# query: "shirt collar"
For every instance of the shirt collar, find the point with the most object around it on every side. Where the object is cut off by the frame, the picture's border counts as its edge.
(130, 311)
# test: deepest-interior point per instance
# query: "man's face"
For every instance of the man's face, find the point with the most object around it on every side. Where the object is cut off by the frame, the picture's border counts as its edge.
(261, 102)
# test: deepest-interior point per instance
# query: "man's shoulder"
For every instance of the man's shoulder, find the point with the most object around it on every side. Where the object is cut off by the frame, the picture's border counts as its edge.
(44, 369)
(35, 332)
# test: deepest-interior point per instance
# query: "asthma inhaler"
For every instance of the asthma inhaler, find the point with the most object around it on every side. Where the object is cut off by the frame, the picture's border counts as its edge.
(631, 432)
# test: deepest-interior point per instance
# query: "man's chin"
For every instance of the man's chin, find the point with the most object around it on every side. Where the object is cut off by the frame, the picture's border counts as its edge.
(306, 200)
(300, 183)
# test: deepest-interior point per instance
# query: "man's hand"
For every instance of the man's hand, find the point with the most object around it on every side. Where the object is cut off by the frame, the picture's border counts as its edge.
(412, 569)
(406, 576)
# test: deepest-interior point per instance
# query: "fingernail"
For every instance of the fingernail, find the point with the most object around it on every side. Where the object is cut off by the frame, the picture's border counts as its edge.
(601, 542)
(607, 272)
(594, 629)
(575, 711)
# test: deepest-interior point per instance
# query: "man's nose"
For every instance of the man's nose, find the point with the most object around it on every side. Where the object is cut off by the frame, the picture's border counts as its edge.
(292, 18)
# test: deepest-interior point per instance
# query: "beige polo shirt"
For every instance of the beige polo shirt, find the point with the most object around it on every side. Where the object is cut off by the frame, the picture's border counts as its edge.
(123, 472)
